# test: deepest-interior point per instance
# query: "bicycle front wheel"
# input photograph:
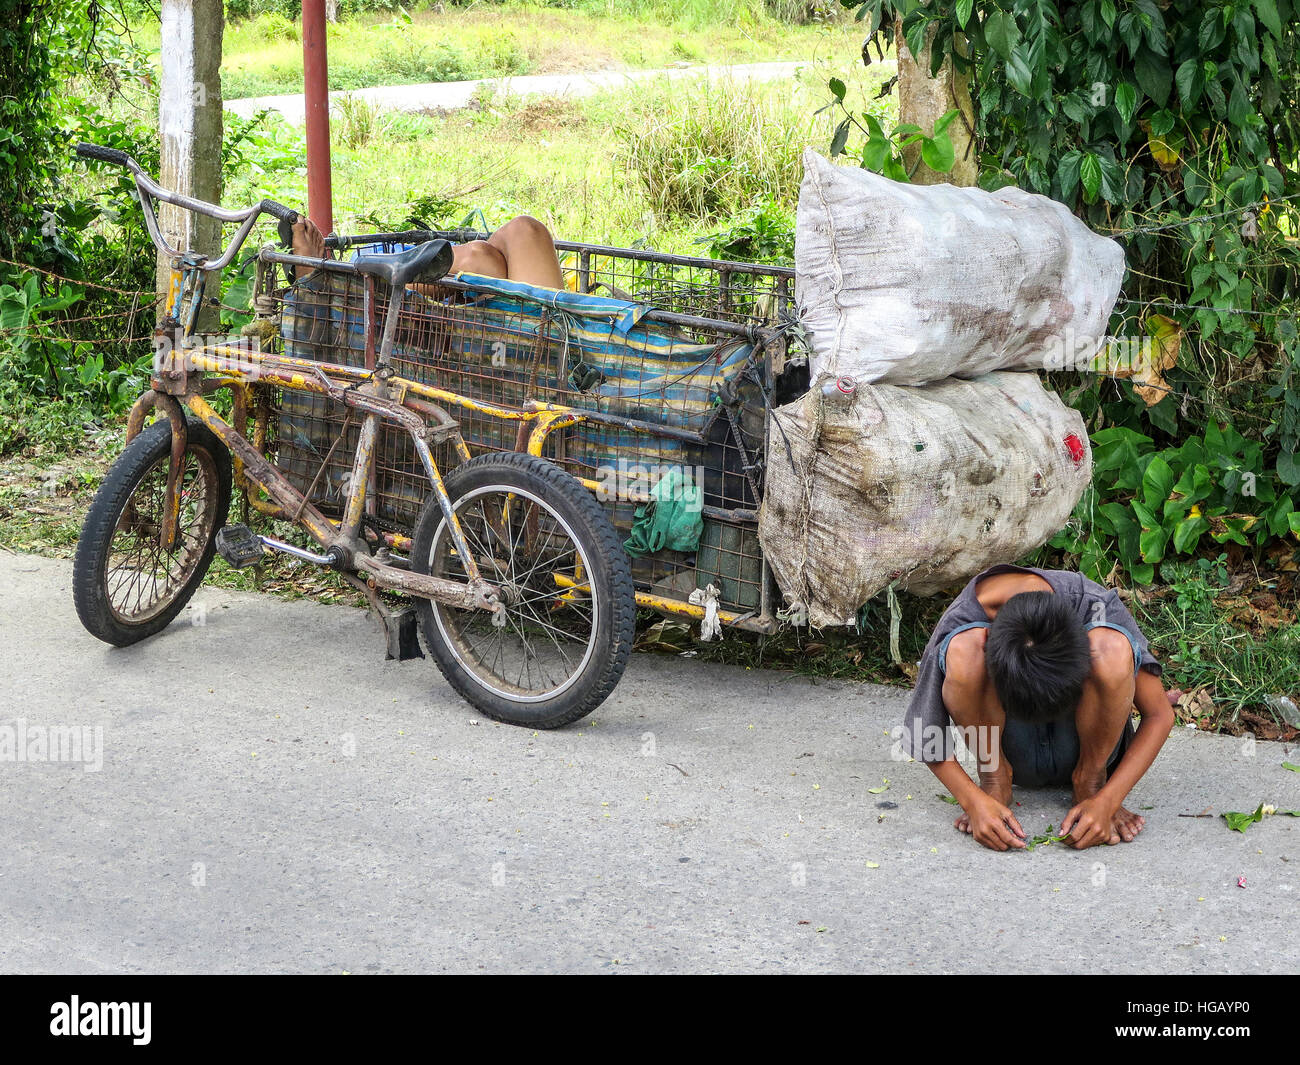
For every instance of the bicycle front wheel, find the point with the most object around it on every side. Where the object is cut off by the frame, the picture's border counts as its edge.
(562, 641)
(126, 585)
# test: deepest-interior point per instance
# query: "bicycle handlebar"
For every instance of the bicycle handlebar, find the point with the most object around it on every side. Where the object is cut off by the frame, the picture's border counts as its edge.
(280, 211)
(106, 155)
(150, 191)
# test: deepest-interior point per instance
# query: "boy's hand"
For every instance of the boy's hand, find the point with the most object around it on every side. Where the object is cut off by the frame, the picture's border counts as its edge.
(1089, 823)
(993, 824)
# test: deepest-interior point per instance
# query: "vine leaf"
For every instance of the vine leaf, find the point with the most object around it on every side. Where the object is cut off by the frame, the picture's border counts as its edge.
(1126, 99)
(1153, 75)
(1090, 176)
(1001, 33)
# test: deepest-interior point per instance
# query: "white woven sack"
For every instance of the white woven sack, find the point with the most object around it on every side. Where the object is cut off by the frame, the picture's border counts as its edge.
(922, 487)
(906, 284)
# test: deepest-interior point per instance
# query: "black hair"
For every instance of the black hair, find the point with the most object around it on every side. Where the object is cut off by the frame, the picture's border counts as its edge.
(1037, 655)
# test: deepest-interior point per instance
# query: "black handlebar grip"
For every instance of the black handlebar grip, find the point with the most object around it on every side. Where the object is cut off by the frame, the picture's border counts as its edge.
(97, 151)
(287, 219)
(280, 211)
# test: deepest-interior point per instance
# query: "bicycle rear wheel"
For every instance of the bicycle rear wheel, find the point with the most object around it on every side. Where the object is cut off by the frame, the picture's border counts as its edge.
(564, 636)
(126, 586)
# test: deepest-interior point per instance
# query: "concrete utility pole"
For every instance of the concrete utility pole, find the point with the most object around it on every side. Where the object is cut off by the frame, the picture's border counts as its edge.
(189, 124)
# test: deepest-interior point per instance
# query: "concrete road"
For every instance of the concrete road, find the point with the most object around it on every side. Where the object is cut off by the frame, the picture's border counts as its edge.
(273, 797)
(452, 95)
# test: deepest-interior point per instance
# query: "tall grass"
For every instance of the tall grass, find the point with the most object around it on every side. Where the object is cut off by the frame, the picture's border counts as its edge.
(704, 151)
(357, 121)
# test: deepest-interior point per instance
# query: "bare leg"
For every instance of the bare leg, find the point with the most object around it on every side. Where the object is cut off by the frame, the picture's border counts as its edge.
(478, 257)
(973, 705)
(528, 250)
(1103, 711)
(521, 250)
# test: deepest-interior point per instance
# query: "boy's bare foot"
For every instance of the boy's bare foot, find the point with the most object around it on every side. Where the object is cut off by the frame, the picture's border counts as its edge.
(997, 785)
(1125, 825)
(1128, 824)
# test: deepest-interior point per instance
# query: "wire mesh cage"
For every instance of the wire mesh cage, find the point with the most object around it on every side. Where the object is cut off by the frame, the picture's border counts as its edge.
(669, 359)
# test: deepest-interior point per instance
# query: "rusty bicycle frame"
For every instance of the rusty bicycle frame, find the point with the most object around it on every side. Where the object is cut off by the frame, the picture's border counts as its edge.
(185, 378)
(180, 380)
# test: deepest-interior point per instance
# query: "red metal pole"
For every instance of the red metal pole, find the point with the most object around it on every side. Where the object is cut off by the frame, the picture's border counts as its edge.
(315, 84)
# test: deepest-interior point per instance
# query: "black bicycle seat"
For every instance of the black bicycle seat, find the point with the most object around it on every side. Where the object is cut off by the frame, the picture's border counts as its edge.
(430, 260)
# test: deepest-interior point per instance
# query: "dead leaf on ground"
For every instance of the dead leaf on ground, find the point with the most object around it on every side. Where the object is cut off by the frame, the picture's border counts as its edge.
(1195, 706)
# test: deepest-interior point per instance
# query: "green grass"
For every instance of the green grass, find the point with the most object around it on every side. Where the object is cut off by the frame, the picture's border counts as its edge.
(263, 56)
(1241, 652)
(664, 163)
(698, 153)
(642, 164)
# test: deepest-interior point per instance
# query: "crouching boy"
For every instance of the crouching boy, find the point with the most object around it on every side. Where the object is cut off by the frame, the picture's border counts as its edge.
(1039, 670)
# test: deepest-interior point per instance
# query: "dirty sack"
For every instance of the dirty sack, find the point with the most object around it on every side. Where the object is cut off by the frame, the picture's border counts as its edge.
(916, 487)
(908, 284)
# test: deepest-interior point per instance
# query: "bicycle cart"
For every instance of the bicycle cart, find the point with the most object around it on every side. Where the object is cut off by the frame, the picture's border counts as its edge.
(516, 469)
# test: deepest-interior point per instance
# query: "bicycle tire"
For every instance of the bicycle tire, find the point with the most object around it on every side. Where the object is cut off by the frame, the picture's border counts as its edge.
(573, 511)
(146, 459)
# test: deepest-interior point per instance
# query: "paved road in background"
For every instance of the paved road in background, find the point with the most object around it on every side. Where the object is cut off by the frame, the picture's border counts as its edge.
(452, 95)
(274, 797)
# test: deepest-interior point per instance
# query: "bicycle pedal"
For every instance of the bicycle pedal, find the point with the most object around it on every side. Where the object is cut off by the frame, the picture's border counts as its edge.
(240, 546)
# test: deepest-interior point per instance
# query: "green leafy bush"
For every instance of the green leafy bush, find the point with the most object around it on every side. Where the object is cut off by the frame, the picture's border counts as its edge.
(1146, 505)
(764, 233)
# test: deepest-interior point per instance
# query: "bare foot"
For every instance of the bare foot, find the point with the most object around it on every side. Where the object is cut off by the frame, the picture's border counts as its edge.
(1086, 787)
(1128, 824)
(996, 784)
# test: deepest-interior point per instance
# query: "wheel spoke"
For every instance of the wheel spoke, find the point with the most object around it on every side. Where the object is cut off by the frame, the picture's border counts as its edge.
(520, 541)
(141, 579)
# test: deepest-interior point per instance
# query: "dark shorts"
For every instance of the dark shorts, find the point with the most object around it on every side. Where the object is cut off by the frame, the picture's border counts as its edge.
(1046, 754)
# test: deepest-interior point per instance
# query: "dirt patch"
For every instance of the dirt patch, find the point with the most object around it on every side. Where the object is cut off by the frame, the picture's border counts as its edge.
(544, 114)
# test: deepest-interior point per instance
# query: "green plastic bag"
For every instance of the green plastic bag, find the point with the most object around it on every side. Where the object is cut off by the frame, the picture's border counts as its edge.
(672, 519)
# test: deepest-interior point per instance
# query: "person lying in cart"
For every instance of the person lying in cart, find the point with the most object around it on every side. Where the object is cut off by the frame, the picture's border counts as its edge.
(521, 250)
(1039, 670)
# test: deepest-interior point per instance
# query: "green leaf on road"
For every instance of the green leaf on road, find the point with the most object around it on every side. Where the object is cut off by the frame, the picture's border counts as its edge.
(1045, 839)
(1238, 822)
